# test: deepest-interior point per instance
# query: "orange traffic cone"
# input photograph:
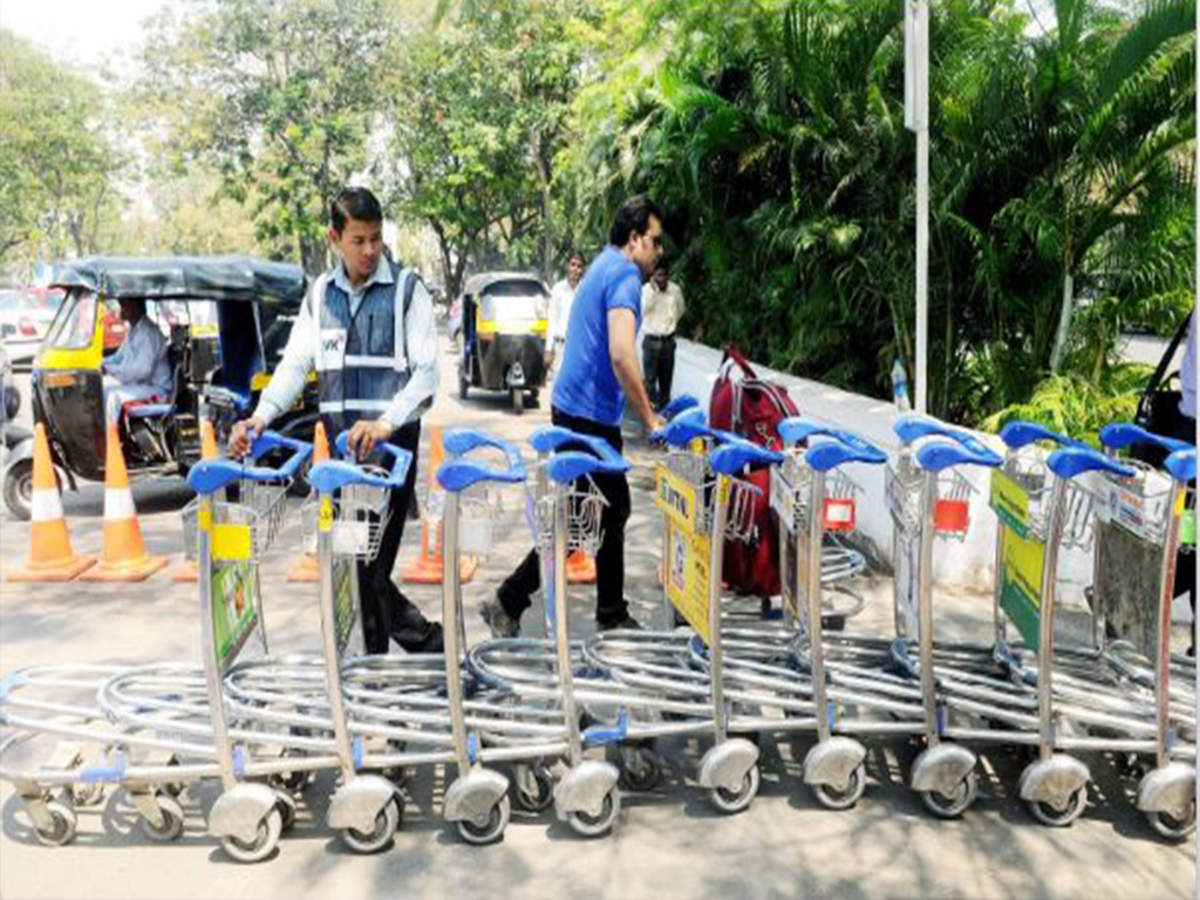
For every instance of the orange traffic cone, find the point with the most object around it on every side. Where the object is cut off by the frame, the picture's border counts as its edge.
(428, 566)
(124, 557)
(581, 568)
(208, 450)
(305, 568)
(50, 555)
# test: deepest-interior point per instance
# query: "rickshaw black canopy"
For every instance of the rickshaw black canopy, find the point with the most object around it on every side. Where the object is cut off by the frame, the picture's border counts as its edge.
(185, 278)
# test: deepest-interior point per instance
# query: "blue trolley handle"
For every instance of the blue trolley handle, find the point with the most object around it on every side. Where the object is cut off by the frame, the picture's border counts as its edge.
(334, 474)
(210, 475)
(940, 455)
(1182, 465)
(1120, 435)
(569, 465)
(1019, 433)
(456, 475)
(684, 428)
(1074, 461)
(912, 428)
(732, 457)
(550, 438)
(795, 430)
(680, 404)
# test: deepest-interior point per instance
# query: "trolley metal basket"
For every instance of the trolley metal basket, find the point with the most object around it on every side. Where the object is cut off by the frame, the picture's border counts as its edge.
(259, 508)
(360, 512)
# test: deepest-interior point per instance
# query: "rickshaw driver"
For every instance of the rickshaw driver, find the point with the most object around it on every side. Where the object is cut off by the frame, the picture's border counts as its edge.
(139, 369)
(376, 364)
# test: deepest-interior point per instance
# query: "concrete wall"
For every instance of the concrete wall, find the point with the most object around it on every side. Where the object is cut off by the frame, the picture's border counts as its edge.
(969, 562)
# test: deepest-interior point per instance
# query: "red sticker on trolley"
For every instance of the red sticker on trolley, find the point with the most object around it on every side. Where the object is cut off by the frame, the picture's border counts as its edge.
(951, 516)
(840, 513)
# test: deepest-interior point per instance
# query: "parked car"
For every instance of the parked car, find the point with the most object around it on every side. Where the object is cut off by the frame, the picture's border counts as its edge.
(25, 317)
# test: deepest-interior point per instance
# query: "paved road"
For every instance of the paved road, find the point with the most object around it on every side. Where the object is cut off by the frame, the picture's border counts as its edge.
(668, 843)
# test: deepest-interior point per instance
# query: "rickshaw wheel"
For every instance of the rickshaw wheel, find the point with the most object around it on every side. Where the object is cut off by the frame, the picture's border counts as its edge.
(18, 489)
(518, 400)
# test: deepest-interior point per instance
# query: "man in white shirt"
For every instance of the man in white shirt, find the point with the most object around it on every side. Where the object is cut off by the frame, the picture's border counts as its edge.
(367, 328)
(561, 297)
(139, 370)
(662, 308)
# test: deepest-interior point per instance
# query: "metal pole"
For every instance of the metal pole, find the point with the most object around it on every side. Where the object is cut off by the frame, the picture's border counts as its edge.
(812, 589)
(916, 37)
(212, 663)
(715, 656)
(562, 638)
(452, 652)
(333, 657)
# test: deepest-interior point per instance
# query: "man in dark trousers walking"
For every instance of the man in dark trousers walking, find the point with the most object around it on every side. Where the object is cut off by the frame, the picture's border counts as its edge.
(600, 372)
(367, 329)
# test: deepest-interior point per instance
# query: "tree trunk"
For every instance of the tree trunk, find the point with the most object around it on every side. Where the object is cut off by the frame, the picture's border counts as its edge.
(1064, 322)
(314, 256)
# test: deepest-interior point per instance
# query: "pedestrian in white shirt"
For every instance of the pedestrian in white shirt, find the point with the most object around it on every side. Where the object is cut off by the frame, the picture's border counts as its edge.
(561, 297)
(367, 329)
(139, 370)
(662, 308)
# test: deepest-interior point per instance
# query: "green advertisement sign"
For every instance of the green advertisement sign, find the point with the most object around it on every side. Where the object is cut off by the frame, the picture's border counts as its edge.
(235, 601)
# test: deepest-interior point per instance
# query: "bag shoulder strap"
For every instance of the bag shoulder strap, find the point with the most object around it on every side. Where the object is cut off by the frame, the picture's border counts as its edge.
(1159, 372)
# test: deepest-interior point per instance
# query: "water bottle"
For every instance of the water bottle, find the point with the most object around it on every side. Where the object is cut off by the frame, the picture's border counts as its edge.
(900, 386)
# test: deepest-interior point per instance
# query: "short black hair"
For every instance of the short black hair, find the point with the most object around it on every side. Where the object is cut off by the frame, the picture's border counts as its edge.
(661, 266)
(576, 254)
(633, 218)
(354, 203)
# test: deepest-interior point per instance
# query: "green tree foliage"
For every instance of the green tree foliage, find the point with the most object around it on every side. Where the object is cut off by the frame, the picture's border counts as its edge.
(58, 167)
(478, 114)
(773, 133)
(279, 98)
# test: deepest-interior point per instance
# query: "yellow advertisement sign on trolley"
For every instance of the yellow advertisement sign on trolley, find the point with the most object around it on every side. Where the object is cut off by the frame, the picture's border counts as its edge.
(686, 572)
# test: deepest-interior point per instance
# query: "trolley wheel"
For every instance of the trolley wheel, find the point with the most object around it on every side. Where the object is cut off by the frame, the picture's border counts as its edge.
(492, 830)
(387, 820)
(951, 806)
(65, 823)
(269, 829)
(1056, 817)
(518, 400)
(291, 782)
(594, 826)
(541, 796)
(646, 772)
(730, 802)
(86, 794)
(287, 809)
(172, 826)
(832, 798)
(1171, 828)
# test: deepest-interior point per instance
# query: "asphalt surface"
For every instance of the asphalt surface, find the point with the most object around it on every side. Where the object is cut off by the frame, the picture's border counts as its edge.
(669, 842)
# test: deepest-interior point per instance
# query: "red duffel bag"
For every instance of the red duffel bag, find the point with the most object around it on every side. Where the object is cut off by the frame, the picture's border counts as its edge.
(751, 407)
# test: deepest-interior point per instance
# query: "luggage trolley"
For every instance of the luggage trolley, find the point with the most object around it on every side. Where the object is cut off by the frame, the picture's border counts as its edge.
(155, 723)
(249, 816)
(701, 513)
(563, 509)
(1153, 513)
(626, 699)
(409, 710)
(478, 800)
(805, 489)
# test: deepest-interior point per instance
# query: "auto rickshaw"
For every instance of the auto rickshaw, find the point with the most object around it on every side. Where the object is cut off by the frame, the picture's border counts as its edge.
(227, 320)
(502, 336)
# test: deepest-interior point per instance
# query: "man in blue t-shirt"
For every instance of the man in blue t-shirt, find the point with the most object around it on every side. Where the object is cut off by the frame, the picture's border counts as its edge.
(600, 370)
